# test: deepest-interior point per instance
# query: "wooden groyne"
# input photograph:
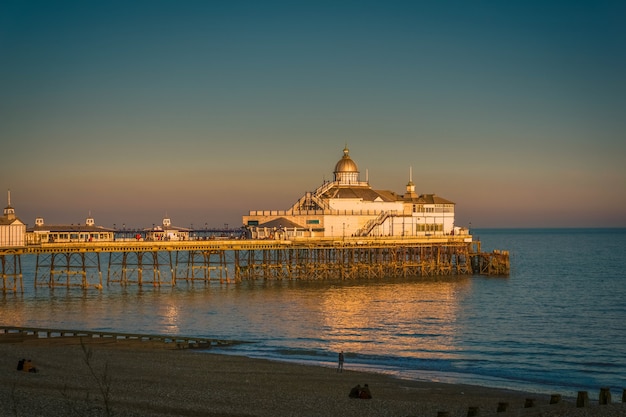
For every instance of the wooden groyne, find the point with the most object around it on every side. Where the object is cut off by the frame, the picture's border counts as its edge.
(94, 265)
(12, 334)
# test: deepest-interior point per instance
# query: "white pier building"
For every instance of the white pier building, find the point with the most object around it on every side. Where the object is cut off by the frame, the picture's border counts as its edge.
(348, 207)
(68, 233)
(167, 231)
(12, 229)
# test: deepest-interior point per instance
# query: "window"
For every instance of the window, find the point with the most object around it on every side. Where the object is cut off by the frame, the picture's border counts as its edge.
(429, 227)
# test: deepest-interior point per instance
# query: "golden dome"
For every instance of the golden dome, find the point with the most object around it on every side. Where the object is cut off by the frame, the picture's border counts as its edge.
(346, 164)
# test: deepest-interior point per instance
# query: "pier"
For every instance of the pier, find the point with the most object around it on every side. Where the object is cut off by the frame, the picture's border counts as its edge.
(157, 263)
(343, 230)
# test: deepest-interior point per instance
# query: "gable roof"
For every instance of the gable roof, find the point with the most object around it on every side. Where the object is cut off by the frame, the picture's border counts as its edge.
(162, 228)
(428, 199)
(68, 228)
(280, 223)
(4, 221)
(361, 192)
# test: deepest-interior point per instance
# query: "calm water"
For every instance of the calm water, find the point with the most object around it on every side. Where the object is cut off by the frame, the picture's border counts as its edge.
(555, 325)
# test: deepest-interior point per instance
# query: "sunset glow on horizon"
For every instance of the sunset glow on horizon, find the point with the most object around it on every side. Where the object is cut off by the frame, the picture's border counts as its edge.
(204, 110)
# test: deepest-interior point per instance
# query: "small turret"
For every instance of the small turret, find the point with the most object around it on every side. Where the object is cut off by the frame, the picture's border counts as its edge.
(410, 187)
(9, 212)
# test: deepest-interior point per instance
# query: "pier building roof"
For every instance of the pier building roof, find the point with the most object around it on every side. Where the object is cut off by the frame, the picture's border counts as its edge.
(88, 226)
(68, 228)
(427, 199)
(280, 223)
(346, 164)
(167, 226)
(361, 192)
(7, 220)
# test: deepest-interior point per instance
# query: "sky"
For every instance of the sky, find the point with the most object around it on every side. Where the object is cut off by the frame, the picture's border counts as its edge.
(132, 111)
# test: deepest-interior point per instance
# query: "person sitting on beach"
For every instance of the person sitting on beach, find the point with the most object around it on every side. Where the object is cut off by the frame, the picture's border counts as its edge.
(20, 364)
(29, 367)
(365, 393)
(354, 392)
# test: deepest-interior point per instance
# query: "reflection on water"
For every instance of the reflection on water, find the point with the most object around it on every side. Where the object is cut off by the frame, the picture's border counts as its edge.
(556, 321)
(403, 318)
(413, 319)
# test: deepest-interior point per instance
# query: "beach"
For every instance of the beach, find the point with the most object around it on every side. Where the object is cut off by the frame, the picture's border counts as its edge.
(145, 378)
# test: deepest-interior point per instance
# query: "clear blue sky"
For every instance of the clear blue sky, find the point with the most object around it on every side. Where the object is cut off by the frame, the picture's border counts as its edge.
(203, 110)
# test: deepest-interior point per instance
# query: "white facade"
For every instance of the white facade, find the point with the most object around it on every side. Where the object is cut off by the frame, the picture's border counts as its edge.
(348, 207)
(167, 232)
(68, 233)
(12, 230)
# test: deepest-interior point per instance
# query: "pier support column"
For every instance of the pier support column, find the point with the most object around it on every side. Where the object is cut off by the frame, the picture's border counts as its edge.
(80, 269)
(11, 273)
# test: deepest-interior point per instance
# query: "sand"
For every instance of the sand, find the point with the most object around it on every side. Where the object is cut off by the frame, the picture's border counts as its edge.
(103, 377)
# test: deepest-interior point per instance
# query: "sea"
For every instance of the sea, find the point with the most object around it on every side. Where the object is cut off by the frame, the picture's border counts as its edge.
(556, 324)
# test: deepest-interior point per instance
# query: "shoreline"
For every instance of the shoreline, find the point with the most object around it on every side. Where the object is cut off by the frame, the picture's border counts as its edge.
(421, 375)
(157, 379)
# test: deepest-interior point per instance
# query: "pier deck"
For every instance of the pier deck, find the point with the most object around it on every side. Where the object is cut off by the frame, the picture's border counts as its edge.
(84, 264)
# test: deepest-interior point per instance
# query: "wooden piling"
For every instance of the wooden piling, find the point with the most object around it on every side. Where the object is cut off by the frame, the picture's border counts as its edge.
(555, 398)
(605, 396)
(472, 412)
(582, 400)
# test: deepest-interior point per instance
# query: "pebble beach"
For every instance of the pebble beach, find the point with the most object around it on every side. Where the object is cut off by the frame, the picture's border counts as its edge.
(104, 377)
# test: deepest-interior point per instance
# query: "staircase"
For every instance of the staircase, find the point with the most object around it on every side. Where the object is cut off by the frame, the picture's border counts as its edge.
(312, 200)
(369, 226)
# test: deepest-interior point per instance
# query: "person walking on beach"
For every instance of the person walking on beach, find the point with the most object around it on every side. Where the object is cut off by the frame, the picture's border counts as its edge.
(340, 363)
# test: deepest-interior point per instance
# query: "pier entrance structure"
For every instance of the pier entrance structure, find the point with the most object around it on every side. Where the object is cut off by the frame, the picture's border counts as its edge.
(348, 207)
